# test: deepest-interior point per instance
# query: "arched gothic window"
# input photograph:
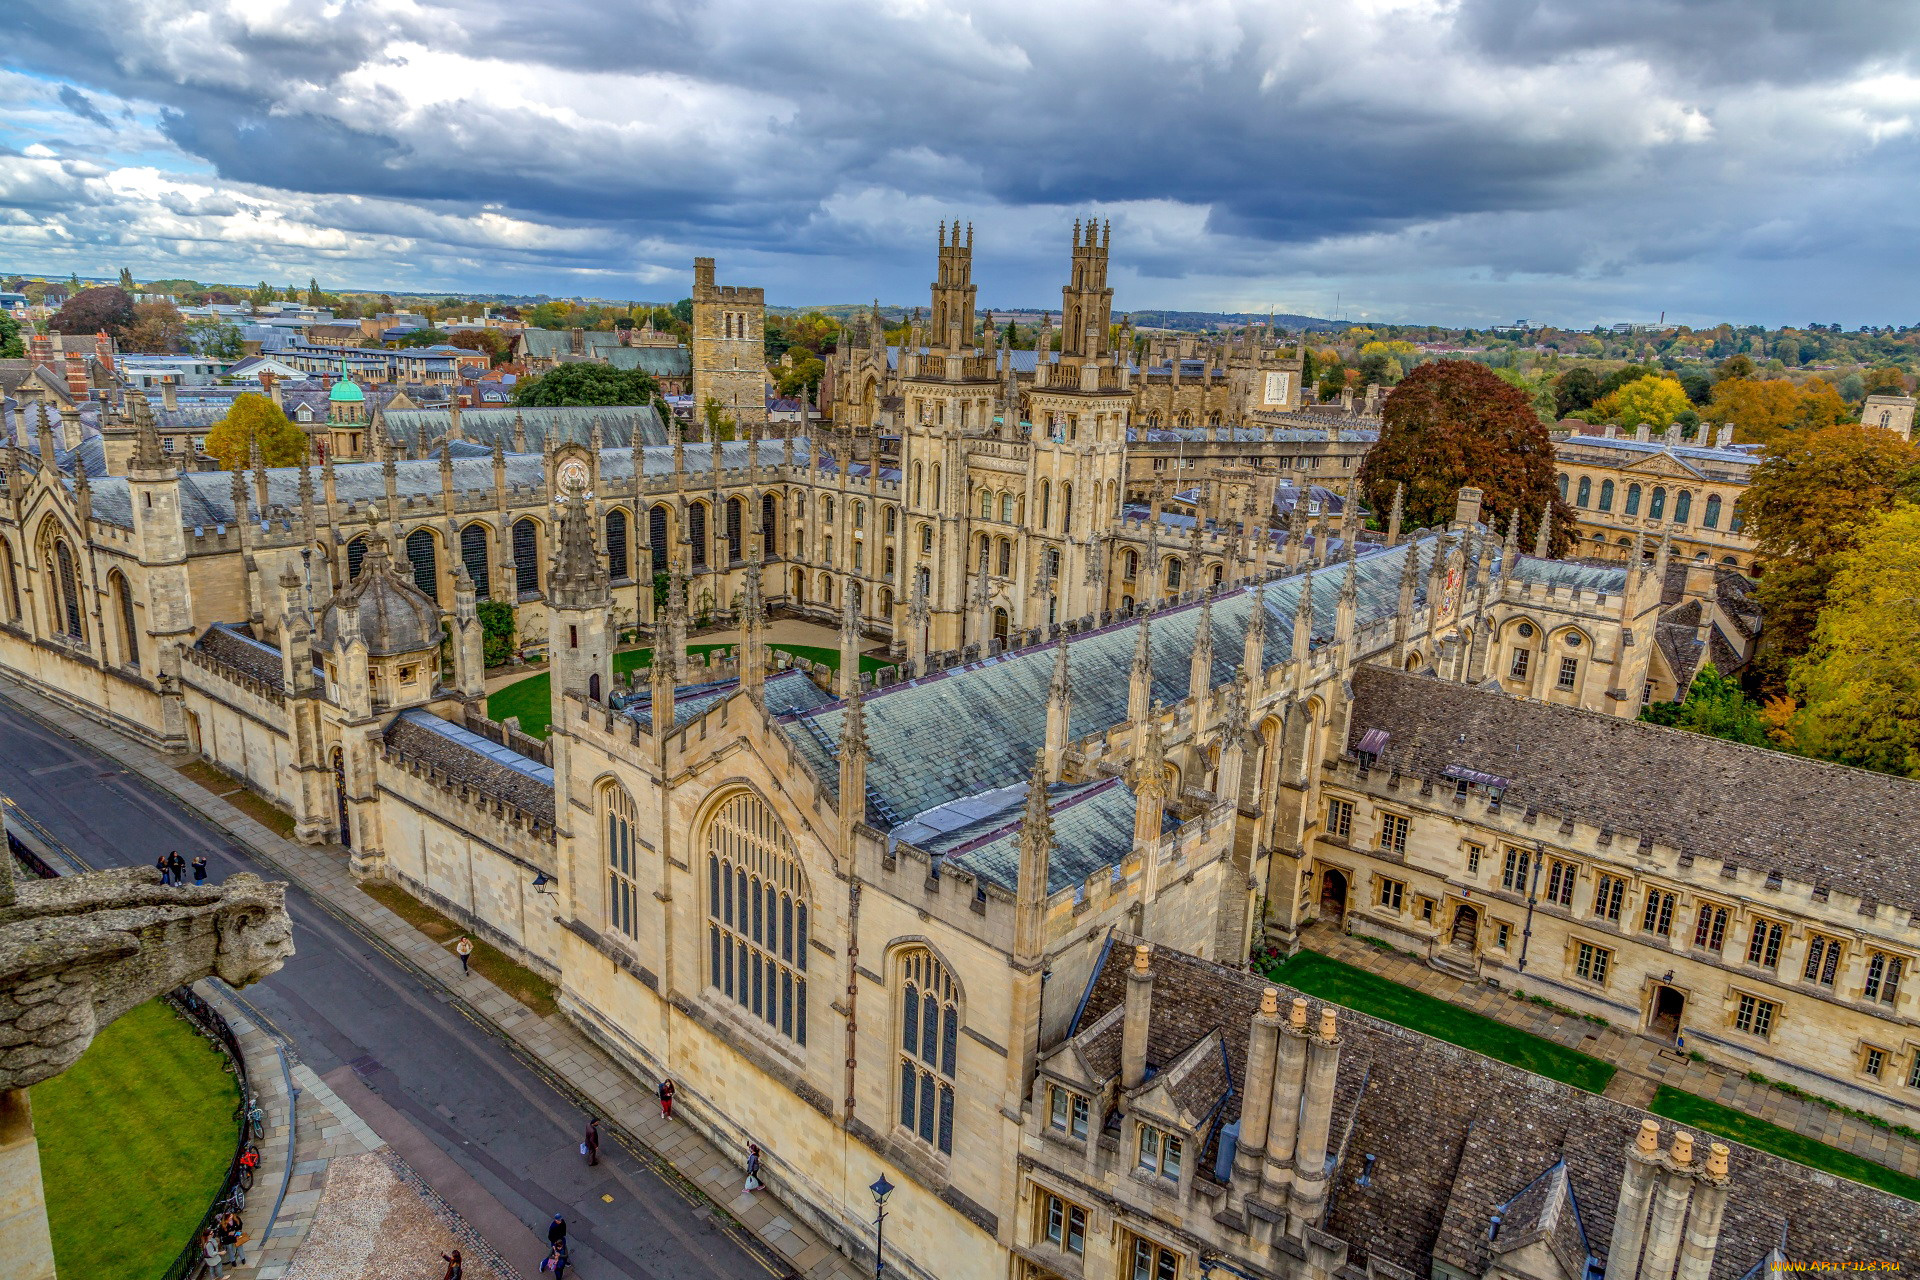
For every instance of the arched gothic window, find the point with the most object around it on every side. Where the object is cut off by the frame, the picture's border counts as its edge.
(619, 814)
(526, 557)
(129, 630)
(1173, 573)
(1585, 494)
(929, 1046)
(474, 554)
(425, 563)
(697, 533)
(1006, 506)
(67, 587)
(1633, 499)
(1657, 508)
(758, 915)
(1712, 520)
(1066, 507)
(1682, 506)
(1046, 503)
(735, 517)
(1560, 483)
(1606, 495)
(616, 544)
(769, 525)
(1129, 566)
(12, 583)
(986, 505)
(356, 552)
(657, 536)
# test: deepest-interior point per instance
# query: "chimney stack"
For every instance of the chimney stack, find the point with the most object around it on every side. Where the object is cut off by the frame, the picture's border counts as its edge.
(1136, 1020)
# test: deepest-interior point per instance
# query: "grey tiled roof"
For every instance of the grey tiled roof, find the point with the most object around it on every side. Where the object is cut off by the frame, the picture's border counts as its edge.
(1822, 824)
(1092, 826)
(234, 648)
(1569, 573)
(618, 425)
(467, 757)
(976, 728)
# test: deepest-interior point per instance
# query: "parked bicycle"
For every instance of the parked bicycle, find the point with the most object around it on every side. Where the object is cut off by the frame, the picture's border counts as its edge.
(257, 1118)
(249, 1161)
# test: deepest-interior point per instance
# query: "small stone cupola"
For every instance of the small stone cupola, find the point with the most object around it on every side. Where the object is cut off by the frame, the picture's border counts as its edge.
(399, 626)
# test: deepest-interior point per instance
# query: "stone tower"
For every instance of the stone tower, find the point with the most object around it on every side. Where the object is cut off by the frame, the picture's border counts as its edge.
(729, 350)
(1086, 303)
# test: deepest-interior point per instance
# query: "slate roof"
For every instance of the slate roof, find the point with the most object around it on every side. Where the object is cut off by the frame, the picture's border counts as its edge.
(783, 691)
(1243, 435)
(1456, 1135)
(232, 647)
(481, 763)
(1611, 579)
(661, 362)
(618, 425)
(1824, 824)
(1739, 455)
(969, 730)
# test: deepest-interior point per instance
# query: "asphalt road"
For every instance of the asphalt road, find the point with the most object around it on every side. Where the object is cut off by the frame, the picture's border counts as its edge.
(345, 1003)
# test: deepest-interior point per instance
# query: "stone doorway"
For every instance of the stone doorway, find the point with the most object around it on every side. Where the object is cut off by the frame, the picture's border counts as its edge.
(1466, 929)
(1669, 1005)
(1333, 895)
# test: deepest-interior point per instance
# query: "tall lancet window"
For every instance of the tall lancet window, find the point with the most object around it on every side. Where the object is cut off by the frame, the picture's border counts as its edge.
(929, 1045)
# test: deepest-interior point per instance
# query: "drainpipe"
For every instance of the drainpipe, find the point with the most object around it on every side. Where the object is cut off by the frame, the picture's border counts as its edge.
(1533, 896)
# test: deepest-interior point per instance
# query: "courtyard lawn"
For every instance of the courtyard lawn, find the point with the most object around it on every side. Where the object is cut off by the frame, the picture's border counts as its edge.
(134, 1142)
(531, 699)
(1342, 983)
(1701, 1113)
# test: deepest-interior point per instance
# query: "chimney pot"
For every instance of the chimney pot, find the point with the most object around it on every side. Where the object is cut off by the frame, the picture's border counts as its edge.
(1683, 1149)
(1270, 1001)
(1298, 1015)
(1141, 954)
(1649, 1139)
(1329, 1028)
(1717, 1155)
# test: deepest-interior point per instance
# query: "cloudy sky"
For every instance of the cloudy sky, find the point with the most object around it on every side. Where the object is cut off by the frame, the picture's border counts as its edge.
(1447, 161)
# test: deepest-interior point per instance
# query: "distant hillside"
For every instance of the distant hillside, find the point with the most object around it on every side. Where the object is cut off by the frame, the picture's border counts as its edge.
(1200, 320)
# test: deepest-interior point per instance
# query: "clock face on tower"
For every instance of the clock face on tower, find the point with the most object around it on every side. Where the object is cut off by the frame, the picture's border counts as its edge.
(573, 475)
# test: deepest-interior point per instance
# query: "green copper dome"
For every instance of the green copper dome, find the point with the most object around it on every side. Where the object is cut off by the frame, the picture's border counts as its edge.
(346, 388)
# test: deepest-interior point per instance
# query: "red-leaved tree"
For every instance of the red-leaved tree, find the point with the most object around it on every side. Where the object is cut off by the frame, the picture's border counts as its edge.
(1453, 424)
(91, 310)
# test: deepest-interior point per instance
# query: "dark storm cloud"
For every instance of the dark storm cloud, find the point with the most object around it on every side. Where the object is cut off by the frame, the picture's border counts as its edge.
(1513, 139)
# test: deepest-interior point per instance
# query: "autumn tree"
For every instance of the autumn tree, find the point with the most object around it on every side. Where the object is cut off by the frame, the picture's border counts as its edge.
(1887, 380)
(1654, 401)
(491, 341)
(254, 418)
(91, 310)
(158, 328)
(1858, 686)
(1760, 409)
(1453, 424)
(1807, 501)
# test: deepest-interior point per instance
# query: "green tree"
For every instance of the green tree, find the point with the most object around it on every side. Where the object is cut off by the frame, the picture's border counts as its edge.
(420, 338)
(585, 383)
(719, 425)
(262, 295)
(1737, 366)
(254, 417)
(1698, 384)
(805, 375)
(12, 346)
(1654, 401)
(126, 280)
(1453, 424)
(314, 297)
(683, 311)
(1714, 706)
(216, 339)
(491, 341)
(1858, 686)
(496, 631)
(1575, 391)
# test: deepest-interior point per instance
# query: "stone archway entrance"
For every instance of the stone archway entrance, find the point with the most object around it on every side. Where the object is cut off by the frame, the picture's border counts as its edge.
(1333, 895)
(1669, 1006)
(1466, 929)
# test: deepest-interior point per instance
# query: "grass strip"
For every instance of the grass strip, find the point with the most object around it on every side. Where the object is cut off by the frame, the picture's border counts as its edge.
(491, 963)
(1704, 1113)
(1342, 983)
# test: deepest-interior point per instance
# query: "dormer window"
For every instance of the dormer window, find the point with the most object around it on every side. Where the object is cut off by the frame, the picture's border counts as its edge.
(1160, 1152)
(1068, 1112)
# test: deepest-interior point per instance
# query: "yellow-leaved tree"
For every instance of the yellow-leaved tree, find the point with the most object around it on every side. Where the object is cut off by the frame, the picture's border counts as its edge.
(1654, 401)
(250, 418)
(1858, 686)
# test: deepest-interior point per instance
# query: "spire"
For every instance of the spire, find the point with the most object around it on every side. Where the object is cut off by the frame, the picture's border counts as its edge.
(1398, 513)
(853, 766)
(849, 638)
(1543, 541)
(1036, 867)
(1059, 713)
(1254, 652)
(1140, 679)
(146, 437)
(1510, 547)
(1200, 670)
(519, 432)
(575, 581)
(1303, 619)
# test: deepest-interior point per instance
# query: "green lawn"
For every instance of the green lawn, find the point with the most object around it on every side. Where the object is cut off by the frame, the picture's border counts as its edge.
(531, 699)
(1343, 984)
(1701, 1113)
(134, 1141)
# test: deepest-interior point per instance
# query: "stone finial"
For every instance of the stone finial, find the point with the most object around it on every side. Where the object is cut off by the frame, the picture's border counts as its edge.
(1270, 1002)
(1682, 1150)
(1648, 1139)
(1717, 1154)
(1142, 956)
(1543, 541)
(1329, 1023)
(1297, 1013)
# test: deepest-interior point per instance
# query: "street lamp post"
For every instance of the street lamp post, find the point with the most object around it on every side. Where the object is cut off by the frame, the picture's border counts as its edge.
(881, 1189)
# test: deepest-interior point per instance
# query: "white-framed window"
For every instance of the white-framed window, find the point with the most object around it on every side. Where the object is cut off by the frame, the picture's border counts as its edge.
(1658, 916)
(1521, 657)
(1474, 854)
(1339, 818)
(1502, 934)
(1591, 963)
(1883, 977)
(1391, 893)
(1393, 832)
(1569, 672)
(758, 916)
(1067, 1111)
(929, 1047)
(1754, 1016)
(1151, 1261)
(1763, 947)
(1873, 1062)
(1064, 1224)
(620, 815)
(1161, 1152)
(1823, 960)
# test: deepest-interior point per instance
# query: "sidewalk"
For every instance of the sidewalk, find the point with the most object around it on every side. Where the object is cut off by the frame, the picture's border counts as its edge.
(628, 1110)
(1643, 1064)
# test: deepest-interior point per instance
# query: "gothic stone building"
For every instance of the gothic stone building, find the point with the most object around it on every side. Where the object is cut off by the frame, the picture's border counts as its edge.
(889, 928)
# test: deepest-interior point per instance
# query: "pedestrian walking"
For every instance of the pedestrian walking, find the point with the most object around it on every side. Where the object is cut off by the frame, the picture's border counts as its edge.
(556, 1231)
(590, 1144)
(200, 870)
(177, 865)
(753, 1167)
(210, 1254)
(556, 1262)
(454, 1270)
(233, 1234)
(666, 1099)
(166, 871)
(463, 949)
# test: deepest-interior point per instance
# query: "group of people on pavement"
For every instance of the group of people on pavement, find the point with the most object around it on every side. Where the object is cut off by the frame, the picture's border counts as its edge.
(174, 868)
(224, 1244)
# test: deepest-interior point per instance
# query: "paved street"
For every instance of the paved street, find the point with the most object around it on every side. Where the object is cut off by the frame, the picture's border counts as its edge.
(453, 1090)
